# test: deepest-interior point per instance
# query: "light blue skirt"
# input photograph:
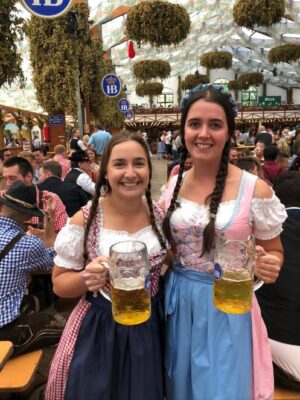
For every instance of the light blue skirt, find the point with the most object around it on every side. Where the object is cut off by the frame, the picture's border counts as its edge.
(208, 352)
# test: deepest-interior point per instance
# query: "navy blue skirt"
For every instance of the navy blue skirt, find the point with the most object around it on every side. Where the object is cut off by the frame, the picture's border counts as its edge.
(117, 362)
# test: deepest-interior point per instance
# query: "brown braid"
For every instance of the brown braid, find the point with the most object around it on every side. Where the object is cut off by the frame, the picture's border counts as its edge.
(215, 198)
(91, 216)
(166, 222)
(152, 218)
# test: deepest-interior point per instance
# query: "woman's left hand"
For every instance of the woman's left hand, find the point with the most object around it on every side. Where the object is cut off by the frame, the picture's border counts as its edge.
(267, 266)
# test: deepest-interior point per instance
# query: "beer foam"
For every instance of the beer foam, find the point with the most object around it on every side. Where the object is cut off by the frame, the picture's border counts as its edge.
(129, 283)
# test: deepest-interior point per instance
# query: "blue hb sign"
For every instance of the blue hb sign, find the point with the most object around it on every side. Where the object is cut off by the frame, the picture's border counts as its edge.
(123, 105)
(47, 8)
(111, 85)
(129, 114)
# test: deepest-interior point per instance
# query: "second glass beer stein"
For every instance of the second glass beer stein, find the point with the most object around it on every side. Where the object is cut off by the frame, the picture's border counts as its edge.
(233, 274)
(130, 282)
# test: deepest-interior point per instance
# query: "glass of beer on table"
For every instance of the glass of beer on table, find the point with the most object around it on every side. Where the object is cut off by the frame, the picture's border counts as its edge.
(130, 282)
(233, 274)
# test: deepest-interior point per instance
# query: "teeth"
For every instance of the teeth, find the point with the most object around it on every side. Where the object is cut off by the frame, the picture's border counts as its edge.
(127, 184)
(203, 146)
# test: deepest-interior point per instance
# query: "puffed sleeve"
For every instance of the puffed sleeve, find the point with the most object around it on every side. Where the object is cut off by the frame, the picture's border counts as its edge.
(267, 216)
(69, 247)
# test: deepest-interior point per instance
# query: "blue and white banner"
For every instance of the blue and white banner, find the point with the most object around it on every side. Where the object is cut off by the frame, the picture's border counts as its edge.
(47, 8)
(124, 105)
(111, 85)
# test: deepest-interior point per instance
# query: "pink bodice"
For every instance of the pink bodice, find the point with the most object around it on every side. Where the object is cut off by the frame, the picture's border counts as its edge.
(187, 240)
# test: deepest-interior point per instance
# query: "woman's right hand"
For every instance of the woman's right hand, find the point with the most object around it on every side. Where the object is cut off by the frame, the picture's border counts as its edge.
(94, 275)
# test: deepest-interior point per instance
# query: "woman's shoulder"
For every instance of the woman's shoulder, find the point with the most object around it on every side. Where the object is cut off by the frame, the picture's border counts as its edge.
(262, 190)
(80, 218)
(77, 219)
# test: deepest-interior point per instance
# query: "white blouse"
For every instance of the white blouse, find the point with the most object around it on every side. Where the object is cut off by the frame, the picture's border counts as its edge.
(69, 243)
(266, 215)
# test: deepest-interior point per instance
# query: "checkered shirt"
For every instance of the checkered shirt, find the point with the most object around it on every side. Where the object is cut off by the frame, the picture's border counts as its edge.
(60, 215)
(29, 253)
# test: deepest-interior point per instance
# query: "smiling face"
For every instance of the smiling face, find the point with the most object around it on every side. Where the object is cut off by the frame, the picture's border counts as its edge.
(128, 170)
(91, 155)
(206, 131)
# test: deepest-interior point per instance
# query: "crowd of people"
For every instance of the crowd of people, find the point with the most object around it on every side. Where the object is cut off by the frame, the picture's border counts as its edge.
(83, 202)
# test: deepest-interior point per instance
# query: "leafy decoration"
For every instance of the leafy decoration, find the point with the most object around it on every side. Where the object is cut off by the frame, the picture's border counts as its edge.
(285, 53)
(147, 69)
(216, 59)
(58, 57)
(149, 89)
(11, 26)
(234, 85)
(158, 23)
(193, 80)
(258, 12)
(250, 79)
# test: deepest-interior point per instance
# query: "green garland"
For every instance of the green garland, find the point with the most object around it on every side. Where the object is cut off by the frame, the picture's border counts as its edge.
(149, 89)
(57, 56)
(250, 79)
(258, 12)
(285, 53)
(234, 85)
(147, 69)
(193, 80)
(216, 59)
(158, 23)
(11, 26)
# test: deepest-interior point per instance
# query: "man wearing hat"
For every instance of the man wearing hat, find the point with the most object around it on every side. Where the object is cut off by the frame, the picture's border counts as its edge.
(81, 167)
(20, 169)
(20, 253)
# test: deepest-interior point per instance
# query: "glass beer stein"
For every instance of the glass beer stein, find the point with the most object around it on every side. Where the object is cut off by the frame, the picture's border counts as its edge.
(233, 275)
(130, 282)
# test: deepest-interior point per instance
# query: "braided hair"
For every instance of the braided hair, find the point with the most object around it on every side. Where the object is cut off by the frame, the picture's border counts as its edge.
(210, 94)
(102, 183)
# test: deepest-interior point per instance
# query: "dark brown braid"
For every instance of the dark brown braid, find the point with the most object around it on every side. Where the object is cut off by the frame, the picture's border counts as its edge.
(173, 204)
(91, 216)
(152, 218)
(214, 201)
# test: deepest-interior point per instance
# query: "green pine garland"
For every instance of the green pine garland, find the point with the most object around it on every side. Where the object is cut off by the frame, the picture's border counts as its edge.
(11, 26)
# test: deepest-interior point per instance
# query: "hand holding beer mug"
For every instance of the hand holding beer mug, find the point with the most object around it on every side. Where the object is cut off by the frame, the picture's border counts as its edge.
(233, 274)
(130, 282)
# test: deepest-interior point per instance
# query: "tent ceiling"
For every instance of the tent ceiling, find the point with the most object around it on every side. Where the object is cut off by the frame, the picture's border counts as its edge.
(213, 28)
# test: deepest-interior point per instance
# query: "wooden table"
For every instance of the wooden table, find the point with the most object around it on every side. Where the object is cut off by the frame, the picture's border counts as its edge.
(242, 147)
(6, 350)
(18, 373)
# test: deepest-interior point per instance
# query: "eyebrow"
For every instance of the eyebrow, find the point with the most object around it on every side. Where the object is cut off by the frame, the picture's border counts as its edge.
(135, 159)
(212, 119)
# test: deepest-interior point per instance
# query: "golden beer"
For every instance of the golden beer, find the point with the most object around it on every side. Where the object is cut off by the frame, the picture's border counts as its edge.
(233, 292)
(130, 301)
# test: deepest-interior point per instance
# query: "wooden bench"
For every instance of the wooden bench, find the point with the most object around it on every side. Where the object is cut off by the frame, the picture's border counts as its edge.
(283, 393)
(18, 373)
(6, 349)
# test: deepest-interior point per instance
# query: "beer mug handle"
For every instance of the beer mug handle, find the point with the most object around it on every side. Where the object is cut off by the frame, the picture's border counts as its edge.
(102, 292)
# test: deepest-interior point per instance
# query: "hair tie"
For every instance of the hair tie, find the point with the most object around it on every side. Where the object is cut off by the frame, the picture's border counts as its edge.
(212, 216)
